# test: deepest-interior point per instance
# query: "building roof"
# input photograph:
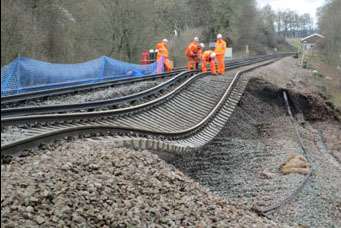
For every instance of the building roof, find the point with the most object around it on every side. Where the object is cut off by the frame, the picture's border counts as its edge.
(312, 38)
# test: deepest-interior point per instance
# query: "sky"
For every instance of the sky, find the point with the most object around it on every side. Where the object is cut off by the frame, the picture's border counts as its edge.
(300, 6)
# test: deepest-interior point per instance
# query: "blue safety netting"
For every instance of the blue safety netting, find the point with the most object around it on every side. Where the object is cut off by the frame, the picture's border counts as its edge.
(27, 75)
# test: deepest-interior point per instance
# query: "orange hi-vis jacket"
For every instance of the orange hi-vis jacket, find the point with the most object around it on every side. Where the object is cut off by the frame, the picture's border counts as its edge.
(206, 58)
(192, 50)
(162, 50)
(192, 53)
(220, 47)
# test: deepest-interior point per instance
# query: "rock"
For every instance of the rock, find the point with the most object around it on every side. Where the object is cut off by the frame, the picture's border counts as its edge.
(40, 220)
(34, 199)
(93, 167)
(266, 174)
(100, 217)
(45, 193)
(66, 166)
(27, 215)
(29, 209)
(66, 210)
(77, 218)
(98, 185)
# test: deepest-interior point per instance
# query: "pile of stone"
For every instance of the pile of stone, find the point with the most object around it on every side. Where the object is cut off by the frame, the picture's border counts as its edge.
(91, 184)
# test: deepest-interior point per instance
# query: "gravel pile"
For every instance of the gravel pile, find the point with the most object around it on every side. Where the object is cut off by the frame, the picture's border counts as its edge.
(86, 183)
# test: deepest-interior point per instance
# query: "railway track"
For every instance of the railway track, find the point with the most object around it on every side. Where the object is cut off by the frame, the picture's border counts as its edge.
(19, 100)
(114, 103)
(38, 96)
(186, 118)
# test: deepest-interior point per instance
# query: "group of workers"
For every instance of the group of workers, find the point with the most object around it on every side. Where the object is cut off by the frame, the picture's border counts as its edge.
(196, 53)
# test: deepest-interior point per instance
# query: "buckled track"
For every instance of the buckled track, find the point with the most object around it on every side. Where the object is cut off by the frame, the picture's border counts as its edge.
(176, 122)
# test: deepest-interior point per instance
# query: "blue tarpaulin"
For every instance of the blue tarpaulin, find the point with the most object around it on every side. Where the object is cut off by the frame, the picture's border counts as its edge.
(26, 74)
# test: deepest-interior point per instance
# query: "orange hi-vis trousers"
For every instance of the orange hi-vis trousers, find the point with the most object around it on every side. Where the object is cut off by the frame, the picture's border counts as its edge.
(192, 63)
(212, 66)
(221, 64)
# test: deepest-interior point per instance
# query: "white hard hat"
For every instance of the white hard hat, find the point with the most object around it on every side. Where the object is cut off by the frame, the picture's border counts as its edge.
(212, 55)
(165, 40)
(151, 50)
(202, 45)
(219, 36)
(196, 39)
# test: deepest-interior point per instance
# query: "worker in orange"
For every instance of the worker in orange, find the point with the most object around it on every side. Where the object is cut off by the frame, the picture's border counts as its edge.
(208, 57)
(220, 48)
(162, 56)
(192, 54)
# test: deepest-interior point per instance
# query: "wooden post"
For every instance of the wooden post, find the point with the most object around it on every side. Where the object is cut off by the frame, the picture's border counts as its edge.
(303, 53)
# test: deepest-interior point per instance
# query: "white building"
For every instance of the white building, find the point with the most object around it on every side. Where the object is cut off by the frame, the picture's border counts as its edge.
(311, 41)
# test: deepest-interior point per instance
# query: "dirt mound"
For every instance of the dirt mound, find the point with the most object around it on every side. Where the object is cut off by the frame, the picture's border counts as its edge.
(265, 91)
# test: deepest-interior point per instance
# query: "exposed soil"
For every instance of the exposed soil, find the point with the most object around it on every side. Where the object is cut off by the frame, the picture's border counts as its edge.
(287, 74)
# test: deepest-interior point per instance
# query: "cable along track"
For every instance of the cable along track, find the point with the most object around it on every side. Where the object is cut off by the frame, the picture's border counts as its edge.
(187, 120)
